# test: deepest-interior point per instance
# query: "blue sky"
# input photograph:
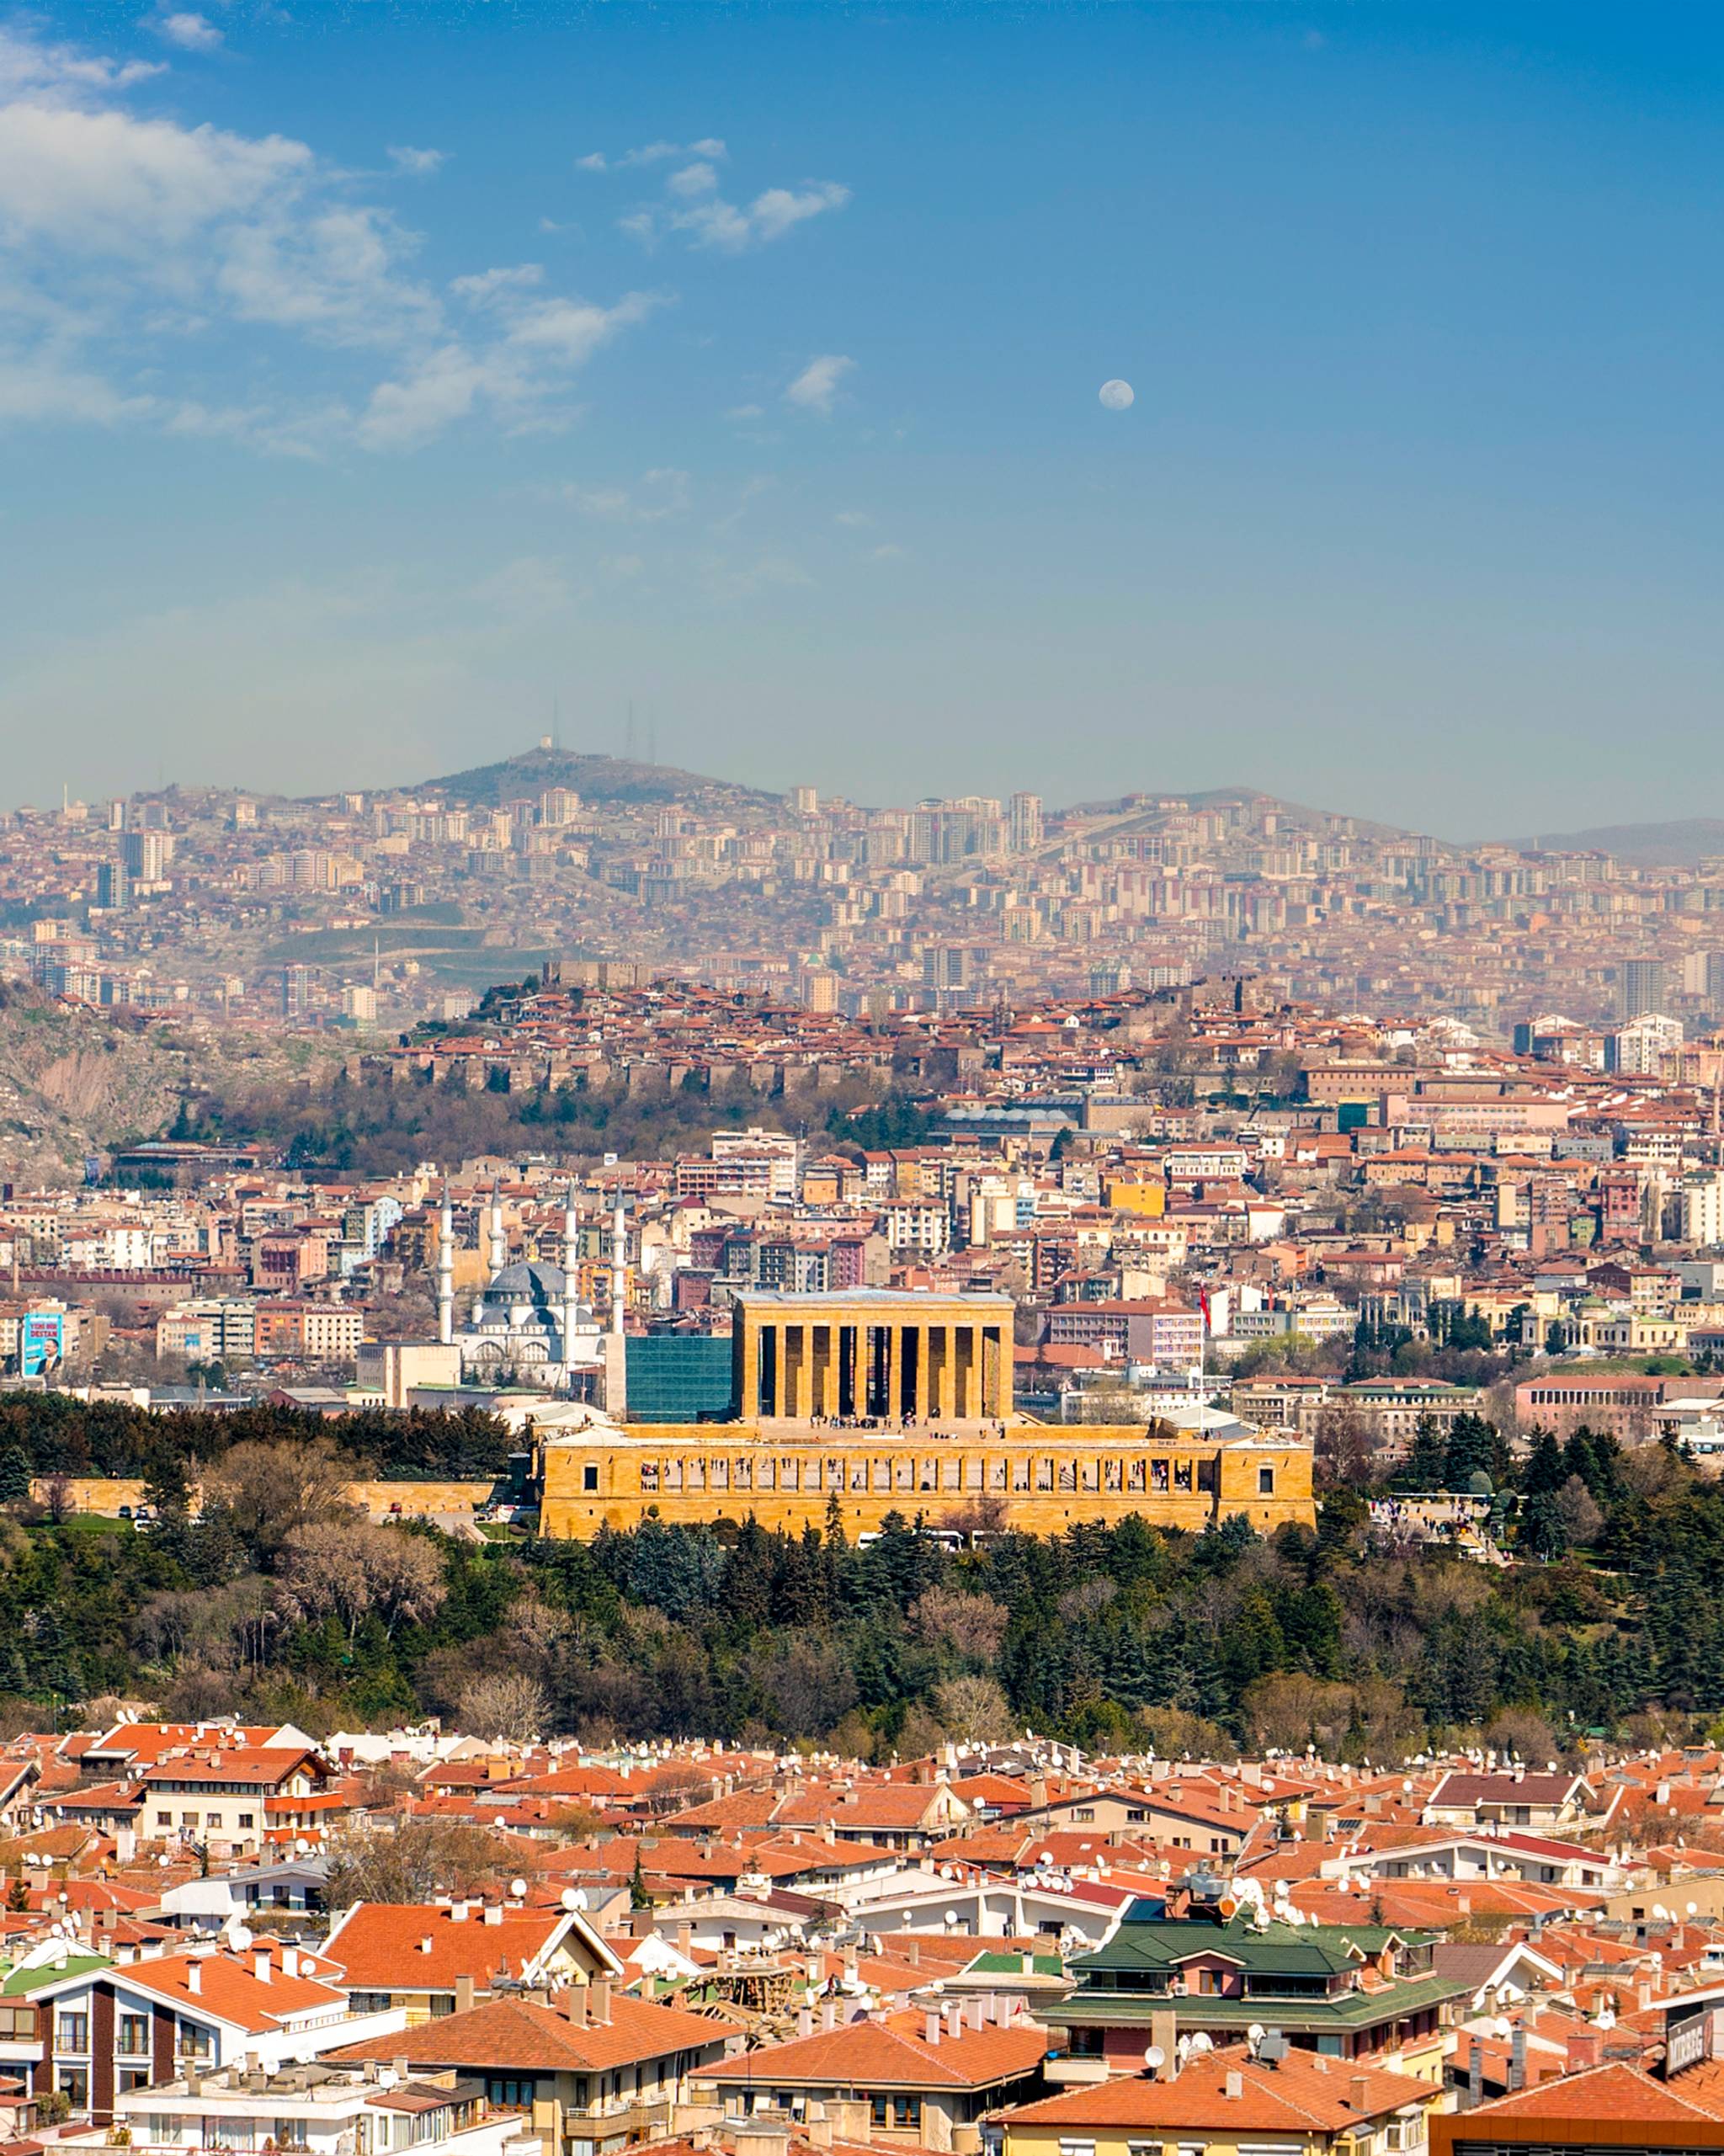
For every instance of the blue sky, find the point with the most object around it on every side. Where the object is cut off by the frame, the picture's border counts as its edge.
(372, 375)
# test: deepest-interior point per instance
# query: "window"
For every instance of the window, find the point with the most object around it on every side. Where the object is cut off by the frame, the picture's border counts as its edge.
(1077, 2148)
(71, 2032)
(589, 1476)
(134, 2077)
(74, 2082)
(510, 2088)
(1083, 1814)
(164, 1818)
(438, 2003)
(192, 2041)
(17, 2021)
(901, 2113)
(134, 2036)
(1266, 1481)
(247, 1819)
(370, 2002)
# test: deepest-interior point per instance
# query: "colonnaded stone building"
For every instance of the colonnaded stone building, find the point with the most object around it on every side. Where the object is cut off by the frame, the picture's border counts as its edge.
(901, 1402)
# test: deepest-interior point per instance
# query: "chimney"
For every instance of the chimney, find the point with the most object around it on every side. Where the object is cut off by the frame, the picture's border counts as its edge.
(976, 2012)
(1475, 2073)
(1517, 2061)
(805, 2021)
(290, 1961)
(600, 1996)
(458, 1912)
(955, 2020)
(260, 1965)
(1233, 2088)
(1164, 2035)
(1028, 1960)
(195, 1979)
(574, 2004)
(493, 1912)
(463, 1994)
(912, 1952)
(930, 2027)
(1358, 2094)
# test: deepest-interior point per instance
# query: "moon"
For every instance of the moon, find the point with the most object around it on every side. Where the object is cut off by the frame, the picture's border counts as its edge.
(1118, 396)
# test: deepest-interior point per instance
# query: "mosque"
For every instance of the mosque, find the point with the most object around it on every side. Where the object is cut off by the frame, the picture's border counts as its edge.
(526, 1326)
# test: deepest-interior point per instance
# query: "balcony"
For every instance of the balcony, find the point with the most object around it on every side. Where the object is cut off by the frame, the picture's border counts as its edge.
(1075, 2073)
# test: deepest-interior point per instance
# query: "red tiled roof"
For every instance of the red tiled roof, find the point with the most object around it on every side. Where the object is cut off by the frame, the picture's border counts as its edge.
(892, 2053)
(515, 2036)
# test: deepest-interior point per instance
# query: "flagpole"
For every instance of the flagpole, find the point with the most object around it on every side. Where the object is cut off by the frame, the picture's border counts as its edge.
(1202, 1341)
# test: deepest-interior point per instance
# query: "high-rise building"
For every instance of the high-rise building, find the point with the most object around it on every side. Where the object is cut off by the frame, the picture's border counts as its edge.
(1639, 987)
(113, 887)
(146, 855)
(295, 991)
(805, 801)
(1024, 821)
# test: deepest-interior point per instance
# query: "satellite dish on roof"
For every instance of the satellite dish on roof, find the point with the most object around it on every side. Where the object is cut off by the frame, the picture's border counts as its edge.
(1201, 2040)
(568, 1898)
(1694, 1908)
(242, 1938)
(1155, 2058)
(516, 1888)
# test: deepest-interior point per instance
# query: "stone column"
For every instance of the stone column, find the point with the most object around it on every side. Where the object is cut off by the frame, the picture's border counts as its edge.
(894, 1372)
(933, 1389)
(825, 1402)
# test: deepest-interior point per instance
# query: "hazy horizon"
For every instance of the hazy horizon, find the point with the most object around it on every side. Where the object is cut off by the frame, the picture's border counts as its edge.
(372, 383)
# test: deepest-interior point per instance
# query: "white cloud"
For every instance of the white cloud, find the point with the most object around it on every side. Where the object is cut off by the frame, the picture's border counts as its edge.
(131, 246)
(855, 518)
(727, 579)
(103, 182)
(491, 284)
(61, 70)
(816, 388)
(515, 376)
(694, 208)
(417, 164)
(774, 213)
(38, 390)
(693, 179)
(651, 153)
(661, 494)
(191, 33)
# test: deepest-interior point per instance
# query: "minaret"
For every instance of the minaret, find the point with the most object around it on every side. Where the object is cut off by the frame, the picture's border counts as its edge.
(571, 1242)
(445, 1270)
(499, 1241)
(616, 1347)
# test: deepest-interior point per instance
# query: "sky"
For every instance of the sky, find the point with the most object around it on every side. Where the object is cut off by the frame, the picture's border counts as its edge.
(381, 384)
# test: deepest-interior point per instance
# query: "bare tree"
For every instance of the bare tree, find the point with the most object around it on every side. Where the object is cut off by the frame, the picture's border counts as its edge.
(349, 1569)
(511, 1704)
(410, 1861)
(976, 1711)
(973, 1625)
(274, 1489)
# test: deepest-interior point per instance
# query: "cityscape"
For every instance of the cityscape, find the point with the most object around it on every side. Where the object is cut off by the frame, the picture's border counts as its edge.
(861, 1081)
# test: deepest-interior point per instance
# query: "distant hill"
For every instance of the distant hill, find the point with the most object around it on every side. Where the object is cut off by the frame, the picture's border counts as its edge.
(593, 778)
(1677, 844)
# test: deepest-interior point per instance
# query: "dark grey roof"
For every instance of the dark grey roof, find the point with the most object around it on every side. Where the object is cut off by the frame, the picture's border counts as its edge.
(537, 1283)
